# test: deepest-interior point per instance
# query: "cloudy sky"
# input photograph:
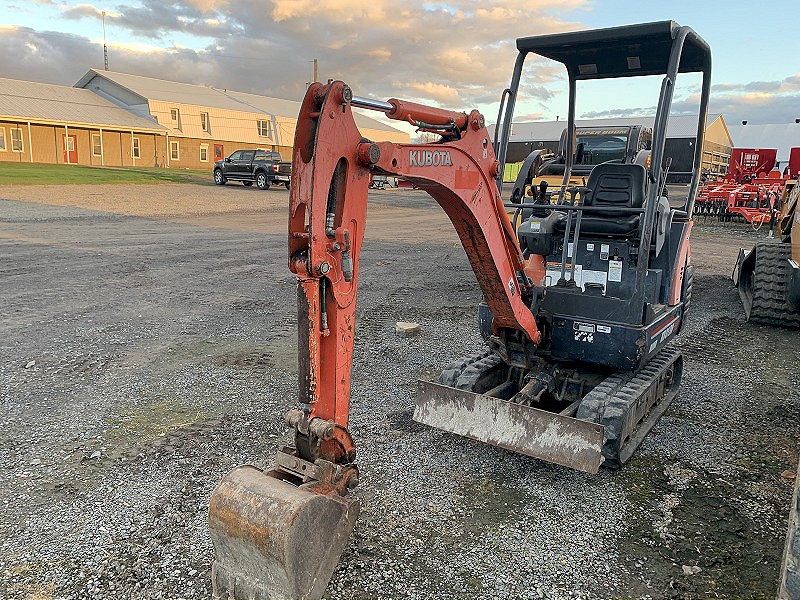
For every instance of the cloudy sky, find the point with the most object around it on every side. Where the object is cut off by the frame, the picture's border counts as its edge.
(456, 54)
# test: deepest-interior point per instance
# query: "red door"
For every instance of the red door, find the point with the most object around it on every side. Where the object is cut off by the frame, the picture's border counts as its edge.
(219, 153)
(70, 149)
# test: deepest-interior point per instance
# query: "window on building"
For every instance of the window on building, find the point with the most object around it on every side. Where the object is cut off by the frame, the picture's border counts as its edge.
(174, 114)
(265, 128)
(97, 145)
(203, 152)
(136, 148)
(204, 121)
(16, 140)
(2, 139)
(174, 151)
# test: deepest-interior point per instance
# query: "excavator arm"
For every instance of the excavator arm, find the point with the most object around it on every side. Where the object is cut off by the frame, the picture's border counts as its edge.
(292, 522)
(332, 168)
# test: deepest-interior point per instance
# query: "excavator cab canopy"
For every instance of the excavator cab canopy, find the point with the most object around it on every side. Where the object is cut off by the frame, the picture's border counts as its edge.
(629, 51)
(661, 48)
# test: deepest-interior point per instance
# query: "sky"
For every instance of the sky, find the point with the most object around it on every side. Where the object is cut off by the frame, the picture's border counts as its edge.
(455, 54)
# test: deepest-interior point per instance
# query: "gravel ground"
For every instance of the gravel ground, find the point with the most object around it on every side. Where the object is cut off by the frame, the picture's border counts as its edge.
(149, 345)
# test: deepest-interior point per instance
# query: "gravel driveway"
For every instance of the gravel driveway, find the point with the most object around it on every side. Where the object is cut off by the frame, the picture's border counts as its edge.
(149, 345)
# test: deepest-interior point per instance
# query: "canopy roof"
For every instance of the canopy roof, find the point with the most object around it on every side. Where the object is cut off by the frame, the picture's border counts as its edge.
(628, 51)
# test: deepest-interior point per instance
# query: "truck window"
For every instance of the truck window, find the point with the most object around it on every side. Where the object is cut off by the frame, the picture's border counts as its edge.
(601, 148)
(248, 154)
(236, 155)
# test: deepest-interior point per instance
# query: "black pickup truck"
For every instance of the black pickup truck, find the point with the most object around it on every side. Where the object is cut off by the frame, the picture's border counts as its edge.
(262, 167)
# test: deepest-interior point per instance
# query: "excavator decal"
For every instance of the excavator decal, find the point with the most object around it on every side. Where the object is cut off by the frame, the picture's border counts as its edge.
(429, 158)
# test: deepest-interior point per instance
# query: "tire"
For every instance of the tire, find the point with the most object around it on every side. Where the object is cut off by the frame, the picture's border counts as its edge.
(769, 286)
(288, 185)
(247, 183)
(261, 180)
(219, 178)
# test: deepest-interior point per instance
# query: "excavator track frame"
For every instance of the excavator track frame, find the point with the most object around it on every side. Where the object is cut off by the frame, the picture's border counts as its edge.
(604, 428)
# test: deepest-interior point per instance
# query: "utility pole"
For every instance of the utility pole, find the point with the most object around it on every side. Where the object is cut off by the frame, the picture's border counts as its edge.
(105, 48)
(316, 74)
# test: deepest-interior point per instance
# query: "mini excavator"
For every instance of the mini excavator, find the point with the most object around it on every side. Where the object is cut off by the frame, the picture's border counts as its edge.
(580, 303)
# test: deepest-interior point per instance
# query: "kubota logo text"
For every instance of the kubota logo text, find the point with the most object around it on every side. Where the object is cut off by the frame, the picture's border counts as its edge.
(430, 158)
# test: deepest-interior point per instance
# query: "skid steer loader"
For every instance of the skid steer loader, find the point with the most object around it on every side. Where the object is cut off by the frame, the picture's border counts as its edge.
(768, 275)
(579, 306)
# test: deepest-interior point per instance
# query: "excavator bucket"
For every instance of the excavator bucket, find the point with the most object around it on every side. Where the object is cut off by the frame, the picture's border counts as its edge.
(273, 539)
(549, 436)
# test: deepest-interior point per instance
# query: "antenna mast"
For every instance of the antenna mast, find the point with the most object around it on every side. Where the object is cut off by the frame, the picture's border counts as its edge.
(105, 48)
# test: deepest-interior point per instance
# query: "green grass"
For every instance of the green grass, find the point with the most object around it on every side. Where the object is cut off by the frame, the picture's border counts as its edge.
(43, 174)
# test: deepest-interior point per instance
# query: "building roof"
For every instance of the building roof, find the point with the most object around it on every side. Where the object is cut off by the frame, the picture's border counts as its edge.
(47, 103)
(679, 126)
(783, 136)
(150, 88)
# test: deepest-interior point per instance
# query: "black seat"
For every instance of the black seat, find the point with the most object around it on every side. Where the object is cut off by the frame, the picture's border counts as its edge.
(614, 186)
(617, 186)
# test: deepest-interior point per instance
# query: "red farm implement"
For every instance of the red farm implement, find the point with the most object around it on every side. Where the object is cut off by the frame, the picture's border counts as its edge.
(749, 192)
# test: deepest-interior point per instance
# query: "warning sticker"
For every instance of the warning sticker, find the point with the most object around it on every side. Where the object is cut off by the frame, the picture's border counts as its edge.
(599, 277)
(553, 274)
(615, 270)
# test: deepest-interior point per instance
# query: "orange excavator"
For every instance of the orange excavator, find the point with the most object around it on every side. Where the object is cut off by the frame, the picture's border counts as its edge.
(580, 303)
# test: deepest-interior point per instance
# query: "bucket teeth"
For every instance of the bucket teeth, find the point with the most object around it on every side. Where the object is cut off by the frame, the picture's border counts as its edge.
(274, 540)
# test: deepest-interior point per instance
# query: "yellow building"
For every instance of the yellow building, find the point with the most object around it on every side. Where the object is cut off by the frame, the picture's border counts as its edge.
(205, 124)
(64, 125)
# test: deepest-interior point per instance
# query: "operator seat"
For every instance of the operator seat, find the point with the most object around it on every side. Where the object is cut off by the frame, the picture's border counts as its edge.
(614, 186)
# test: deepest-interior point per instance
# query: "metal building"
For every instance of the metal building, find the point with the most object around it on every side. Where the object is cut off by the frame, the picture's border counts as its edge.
(59, 124)
(205, 124)
(782, 136)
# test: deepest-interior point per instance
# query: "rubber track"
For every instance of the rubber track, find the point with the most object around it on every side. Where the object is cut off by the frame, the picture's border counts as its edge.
(610, 402)
(465, 373)
(453, 371)
(770, 276)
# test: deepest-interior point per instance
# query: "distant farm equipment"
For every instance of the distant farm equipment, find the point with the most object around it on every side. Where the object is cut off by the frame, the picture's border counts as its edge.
(752, 189)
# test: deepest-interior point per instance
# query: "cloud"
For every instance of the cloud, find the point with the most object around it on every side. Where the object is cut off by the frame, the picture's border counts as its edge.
(455, 53)
(443, 94)
(81, 11)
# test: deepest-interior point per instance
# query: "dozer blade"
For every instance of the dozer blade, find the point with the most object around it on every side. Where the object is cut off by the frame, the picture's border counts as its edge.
(275, 540)
(530, 431)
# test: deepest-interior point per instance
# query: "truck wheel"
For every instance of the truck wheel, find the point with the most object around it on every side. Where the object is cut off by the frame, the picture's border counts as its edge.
(288, 185)
(261, 181)
(219, 178)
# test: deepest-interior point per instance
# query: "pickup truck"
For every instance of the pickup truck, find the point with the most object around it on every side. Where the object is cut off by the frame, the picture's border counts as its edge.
(262, 167)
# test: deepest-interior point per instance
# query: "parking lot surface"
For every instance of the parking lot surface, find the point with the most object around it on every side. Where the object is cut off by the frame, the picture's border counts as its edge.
(148, 345)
